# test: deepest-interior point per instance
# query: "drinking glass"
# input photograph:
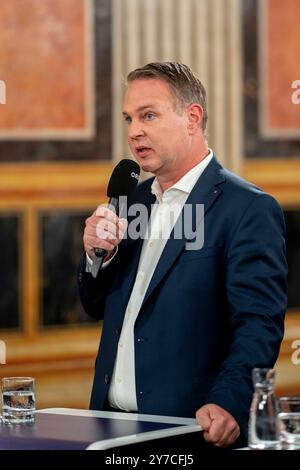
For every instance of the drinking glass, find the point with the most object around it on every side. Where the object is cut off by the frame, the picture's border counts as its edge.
(18, 400)
(289, 418)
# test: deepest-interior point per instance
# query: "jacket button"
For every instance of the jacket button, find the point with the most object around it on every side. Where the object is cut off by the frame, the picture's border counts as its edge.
(141, 393)
(80, 277)
(107, 379)
(118, 331)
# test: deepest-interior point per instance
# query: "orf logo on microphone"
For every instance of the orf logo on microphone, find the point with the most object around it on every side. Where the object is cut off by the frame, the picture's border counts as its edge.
(134, 175)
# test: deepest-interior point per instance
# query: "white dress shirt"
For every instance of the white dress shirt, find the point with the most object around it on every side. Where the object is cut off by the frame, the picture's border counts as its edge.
(169, 204)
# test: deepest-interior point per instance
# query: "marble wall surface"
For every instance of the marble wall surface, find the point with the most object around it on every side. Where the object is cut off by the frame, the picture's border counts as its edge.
(55, 61)
(42, 49)
(260, 33)
(278, 52)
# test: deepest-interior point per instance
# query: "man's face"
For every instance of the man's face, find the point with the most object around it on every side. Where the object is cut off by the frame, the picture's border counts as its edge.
(157, 132)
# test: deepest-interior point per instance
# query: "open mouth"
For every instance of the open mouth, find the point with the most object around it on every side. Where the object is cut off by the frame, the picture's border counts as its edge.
(142, 151)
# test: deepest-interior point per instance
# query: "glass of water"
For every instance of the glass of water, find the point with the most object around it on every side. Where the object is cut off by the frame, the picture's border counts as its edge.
(289, 417)
(18, 400)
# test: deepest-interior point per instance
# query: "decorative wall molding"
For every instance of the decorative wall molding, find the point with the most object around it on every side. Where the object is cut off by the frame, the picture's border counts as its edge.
(51, 98)
(279, 177)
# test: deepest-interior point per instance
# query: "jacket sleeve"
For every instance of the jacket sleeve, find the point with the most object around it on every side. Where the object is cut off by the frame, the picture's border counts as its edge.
(93, 291)
(256, 273)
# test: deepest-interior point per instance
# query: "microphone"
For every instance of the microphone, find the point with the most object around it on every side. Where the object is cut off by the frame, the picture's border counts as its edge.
(123, 181)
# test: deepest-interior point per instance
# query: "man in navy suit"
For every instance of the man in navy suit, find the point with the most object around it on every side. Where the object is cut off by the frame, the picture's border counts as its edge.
(184, 324)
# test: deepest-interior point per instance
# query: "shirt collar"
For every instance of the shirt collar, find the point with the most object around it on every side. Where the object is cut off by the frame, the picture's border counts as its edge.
(187, 182)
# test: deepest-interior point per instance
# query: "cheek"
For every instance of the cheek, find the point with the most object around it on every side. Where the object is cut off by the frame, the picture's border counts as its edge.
(130, 143)
(176, 141)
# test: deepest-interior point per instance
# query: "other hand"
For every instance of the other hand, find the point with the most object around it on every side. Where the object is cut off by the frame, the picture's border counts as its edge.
(219, 427)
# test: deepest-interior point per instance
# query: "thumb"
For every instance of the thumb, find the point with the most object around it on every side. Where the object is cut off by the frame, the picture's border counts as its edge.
(203, 418)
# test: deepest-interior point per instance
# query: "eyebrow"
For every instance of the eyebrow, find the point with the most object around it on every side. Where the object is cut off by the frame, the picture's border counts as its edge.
(142, 108)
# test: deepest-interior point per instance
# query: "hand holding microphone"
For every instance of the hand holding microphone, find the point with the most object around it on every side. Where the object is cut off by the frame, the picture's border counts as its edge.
(104, 229)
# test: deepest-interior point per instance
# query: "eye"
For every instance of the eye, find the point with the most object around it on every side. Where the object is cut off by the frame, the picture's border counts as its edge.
(127, 119)
(149, 116)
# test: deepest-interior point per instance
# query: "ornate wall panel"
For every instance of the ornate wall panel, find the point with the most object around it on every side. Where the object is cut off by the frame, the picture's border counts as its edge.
(55, 61)
(272, 121)
(279, 45)
(50, 68)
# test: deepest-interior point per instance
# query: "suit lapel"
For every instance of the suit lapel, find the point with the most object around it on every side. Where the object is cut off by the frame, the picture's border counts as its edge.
(205, 192)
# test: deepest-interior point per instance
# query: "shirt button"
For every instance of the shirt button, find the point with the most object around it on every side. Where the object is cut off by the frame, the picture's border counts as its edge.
(150, 244)
(121, 345)
(119, 381)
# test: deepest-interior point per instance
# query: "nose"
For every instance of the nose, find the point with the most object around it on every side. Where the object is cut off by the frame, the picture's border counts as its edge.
(135, 130)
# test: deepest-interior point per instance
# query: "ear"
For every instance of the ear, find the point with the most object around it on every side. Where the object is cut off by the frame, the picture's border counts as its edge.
(195, 116)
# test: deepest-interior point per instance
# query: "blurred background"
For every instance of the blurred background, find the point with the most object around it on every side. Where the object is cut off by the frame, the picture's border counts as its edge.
(62, 69)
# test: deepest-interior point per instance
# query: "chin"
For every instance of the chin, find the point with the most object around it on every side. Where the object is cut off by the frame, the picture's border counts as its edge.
(150, 164)
(146, 166)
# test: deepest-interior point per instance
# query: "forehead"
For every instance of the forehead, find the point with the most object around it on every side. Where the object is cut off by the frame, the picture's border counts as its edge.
(150, 91)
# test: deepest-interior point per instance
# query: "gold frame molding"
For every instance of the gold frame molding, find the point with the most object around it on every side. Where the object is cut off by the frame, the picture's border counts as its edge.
(279, 177)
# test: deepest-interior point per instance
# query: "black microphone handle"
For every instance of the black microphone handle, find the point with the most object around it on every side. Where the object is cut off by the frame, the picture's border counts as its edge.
(113, 205)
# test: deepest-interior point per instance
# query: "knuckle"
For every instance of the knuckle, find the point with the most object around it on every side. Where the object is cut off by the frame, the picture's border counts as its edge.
(231, 426)
(100, 211)
(221, 421)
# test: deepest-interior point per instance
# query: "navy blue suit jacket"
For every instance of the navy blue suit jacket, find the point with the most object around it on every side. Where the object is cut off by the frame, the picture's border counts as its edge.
(209, 316)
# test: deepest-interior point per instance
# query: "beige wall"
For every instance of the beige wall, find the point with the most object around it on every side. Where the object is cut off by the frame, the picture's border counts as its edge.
(204, 34)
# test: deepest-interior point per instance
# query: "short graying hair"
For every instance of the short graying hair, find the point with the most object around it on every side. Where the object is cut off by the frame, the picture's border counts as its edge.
(186, 87)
